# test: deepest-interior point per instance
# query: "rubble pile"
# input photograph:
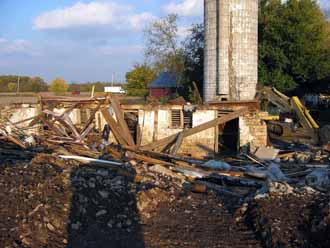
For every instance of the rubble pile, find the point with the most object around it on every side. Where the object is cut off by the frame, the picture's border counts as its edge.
(295, 220)
(67, 186)
(35, 204)
(63, 203)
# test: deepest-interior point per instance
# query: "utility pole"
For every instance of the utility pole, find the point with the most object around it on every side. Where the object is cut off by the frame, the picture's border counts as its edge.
(18, 79)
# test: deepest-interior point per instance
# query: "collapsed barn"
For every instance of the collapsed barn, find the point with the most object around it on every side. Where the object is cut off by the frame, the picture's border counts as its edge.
(104, 172)
(99, 171)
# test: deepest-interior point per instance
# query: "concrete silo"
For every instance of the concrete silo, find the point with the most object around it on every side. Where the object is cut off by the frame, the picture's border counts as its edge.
(231, 50)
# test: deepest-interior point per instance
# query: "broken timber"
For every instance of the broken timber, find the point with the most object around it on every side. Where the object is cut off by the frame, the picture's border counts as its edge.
(114, 127)
(121, 120)
(188, 132)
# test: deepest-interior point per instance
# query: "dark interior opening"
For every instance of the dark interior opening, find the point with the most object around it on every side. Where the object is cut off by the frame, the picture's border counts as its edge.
(229, 136)
(132, 120)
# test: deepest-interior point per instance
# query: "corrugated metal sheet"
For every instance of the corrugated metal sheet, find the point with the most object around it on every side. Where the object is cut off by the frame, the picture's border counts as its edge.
(165, 80)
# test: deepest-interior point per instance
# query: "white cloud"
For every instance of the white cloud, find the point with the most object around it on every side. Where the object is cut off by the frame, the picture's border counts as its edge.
(121, 49)
(184, 31)
(15, 46)
(186, 8)
(139, 20)
(97, 13)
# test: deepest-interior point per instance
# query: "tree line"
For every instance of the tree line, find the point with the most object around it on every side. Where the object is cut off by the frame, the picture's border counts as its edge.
(294, 50)
(14, 83)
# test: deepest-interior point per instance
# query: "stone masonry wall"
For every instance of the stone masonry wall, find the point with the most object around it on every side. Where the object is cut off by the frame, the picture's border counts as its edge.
(253, 130)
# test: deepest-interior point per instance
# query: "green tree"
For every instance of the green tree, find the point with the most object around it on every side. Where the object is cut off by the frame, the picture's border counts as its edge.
(37, 84)
(294, 49)
(139, 79)
(26, 84)
(12, 87)
(194, 59)
(163, 47)
(59, 86)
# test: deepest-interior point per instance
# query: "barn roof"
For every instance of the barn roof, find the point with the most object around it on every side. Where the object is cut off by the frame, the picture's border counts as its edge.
(165, 80)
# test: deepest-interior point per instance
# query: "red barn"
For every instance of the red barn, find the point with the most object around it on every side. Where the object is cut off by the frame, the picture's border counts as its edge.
(163, 86)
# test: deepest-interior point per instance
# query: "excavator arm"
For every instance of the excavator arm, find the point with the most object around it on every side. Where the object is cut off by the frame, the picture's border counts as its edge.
(287, 104)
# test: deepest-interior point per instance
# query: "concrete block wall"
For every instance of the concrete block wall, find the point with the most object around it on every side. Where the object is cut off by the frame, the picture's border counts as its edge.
(147, 124)
(231, 49)
(202, 143)
(210, 59)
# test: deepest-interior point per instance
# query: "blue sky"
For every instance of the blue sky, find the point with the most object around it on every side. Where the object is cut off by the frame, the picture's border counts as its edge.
(86, 40)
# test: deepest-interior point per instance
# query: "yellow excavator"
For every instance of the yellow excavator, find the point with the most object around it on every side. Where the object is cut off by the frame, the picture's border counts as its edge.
(295, 123)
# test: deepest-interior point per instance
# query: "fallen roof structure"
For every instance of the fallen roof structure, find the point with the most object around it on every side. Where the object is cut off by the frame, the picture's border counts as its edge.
(111, 186)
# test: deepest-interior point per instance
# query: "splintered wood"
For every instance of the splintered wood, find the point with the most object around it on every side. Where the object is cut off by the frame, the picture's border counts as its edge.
(57, 128)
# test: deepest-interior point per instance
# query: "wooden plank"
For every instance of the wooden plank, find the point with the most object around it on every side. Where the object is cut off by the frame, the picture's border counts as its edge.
(16, 141)
(138, 135)
(87, 131)
(66, 121)
(60, 130)
(35, 120)
(121, 121)
(114, 127)
(69, 110)
(197, 94)
(25, 120)
(177, 144)
(92, 117)
(148, 159)
(197, 129)
(162, 156)
(155, 135)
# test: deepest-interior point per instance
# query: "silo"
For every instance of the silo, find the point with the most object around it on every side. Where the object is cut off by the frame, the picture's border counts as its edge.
(231, 49)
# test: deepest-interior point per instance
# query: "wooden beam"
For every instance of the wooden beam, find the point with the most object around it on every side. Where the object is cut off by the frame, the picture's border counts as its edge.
(114, 127)
(35, 120)
(162, 156)
(148, 159)
(16, 141)
(87, 131)
(198, 95)
(138, 135)
(25, 120)
(92, 117)
(66, 121)
(198, 129)
(121, 120)
(177, 144)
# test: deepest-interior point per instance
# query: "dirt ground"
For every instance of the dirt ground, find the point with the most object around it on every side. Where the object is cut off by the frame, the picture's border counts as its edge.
(47, 203)
(293, 221)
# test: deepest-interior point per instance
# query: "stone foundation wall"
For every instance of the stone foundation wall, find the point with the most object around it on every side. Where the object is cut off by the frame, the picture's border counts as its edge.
(253, 130)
